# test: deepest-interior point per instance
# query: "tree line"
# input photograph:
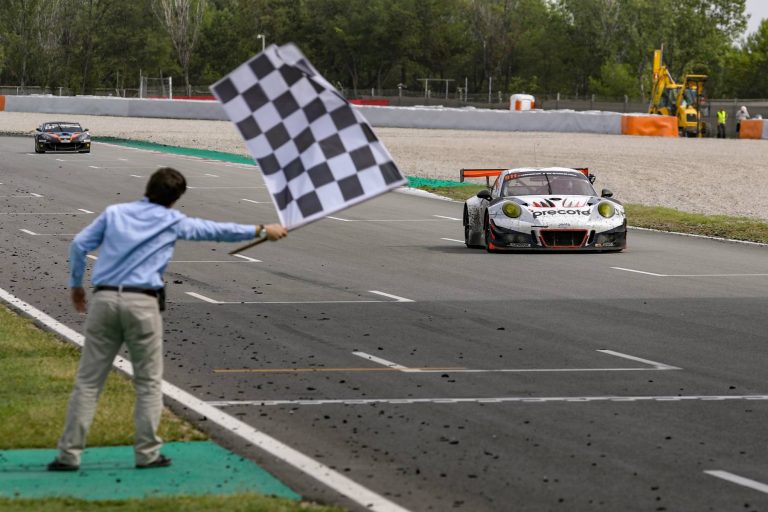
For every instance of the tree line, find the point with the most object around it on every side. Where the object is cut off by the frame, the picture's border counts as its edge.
(574, 47)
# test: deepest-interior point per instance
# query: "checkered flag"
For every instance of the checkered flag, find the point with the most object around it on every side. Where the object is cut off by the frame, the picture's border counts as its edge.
(318, 154)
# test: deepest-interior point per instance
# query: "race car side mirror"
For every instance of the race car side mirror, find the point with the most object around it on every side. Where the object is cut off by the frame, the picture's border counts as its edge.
(606, 193)
(484, 194)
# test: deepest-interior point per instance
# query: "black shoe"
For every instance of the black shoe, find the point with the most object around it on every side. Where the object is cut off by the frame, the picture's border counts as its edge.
(160, 462)
(57, 465)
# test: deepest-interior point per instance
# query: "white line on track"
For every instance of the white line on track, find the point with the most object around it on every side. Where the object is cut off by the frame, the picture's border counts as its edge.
(45, 234)
(203, 298)
(688, 275)
(658, 366)
(84, 210)
(739, 480)
(21, 196)
(453, 240)
(94, 167)
(338, 218)
(653, 366)
(494, 400)
(444, 217)
(379, 360)
(255, 202)
(638, 271)
(247, 258)
(136, 176)
(211, 175)
(320, 472)
(395, 297)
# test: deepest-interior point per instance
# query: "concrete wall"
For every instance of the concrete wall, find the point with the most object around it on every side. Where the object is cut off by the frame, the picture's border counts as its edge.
(393, 117)
(120, 107)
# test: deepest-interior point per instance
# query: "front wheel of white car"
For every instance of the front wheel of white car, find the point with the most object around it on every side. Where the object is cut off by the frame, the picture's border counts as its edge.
(487, 236)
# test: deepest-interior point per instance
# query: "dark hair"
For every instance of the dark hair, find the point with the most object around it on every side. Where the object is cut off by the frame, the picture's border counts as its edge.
(165, 186)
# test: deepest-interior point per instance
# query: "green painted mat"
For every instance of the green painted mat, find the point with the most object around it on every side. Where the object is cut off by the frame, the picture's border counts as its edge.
(413, 181)
(199, 468)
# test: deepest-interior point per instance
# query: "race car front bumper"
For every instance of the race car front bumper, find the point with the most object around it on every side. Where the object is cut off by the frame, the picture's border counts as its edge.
(572, 239)
(49, 145)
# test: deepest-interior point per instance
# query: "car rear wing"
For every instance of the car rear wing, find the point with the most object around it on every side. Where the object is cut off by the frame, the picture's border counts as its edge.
(492, 173)
(480, 173)
(585, 171)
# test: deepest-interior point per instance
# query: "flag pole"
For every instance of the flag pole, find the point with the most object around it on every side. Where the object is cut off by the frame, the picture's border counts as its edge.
(248, 246)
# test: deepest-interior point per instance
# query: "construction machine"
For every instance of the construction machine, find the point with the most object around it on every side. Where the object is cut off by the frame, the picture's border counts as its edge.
(685, 101)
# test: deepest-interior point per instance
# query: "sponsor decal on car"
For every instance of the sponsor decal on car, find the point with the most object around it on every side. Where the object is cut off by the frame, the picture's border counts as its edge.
(561, 212)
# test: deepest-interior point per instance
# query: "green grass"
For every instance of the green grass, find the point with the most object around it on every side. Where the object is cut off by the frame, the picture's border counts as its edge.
(237, 503)
(38, 372)
(656, 217)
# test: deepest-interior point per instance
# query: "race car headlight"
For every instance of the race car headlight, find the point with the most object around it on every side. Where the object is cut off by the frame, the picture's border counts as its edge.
(606, 210)
(512, 210)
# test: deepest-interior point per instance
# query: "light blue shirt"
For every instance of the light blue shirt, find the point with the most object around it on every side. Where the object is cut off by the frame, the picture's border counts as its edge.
(137, 241)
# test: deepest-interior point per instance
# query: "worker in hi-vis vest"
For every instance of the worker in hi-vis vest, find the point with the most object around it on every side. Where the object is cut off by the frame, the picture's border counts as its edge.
(721, 118)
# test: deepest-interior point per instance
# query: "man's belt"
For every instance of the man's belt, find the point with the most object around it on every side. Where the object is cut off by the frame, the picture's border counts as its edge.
(127, 289)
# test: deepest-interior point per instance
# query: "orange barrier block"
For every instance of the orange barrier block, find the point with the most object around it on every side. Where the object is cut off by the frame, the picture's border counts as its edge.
(653, 126)
(751, 129)
(2, 103)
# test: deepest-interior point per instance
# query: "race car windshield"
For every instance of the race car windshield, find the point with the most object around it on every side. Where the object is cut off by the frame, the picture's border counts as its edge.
(62, 127)
(546, 184)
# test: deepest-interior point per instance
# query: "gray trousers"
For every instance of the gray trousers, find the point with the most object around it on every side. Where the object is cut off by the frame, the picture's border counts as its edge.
(114, 319)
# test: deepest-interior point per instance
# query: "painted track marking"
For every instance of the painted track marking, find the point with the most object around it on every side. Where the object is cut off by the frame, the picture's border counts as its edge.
(688, 275)
(658, 366)
(307, 465)
(395, 297)
(321, 369)
(453, 240)
(444, 217)
(379, 360)
(739, 480)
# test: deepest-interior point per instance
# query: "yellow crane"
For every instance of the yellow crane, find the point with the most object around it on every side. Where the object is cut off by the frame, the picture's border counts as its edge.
(685, 100)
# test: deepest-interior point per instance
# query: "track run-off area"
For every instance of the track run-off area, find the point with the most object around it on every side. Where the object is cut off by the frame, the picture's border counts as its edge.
(375, 360)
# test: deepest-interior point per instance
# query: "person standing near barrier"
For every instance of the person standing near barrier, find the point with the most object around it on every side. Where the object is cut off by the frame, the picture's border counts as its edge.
(741, 115)
(722, 116)
(136, 243)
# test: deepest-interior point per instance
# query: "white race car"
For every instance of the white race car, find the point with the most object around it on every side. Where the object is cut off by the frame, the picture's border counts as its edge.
(553, 208)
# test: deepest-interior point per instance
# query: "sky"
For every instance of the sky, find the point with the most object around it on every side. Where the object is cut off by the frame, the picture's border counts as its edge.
(758, 9)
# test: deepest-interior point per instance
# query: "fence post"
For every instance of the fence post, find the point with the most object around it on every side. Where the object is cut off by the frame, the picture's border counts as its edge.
(557, 102)
(626, 102)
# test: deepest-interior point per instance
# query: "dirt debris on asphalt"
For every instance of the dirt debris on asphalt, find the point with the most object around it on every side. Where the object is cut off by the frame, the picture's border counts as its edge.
(708, 175)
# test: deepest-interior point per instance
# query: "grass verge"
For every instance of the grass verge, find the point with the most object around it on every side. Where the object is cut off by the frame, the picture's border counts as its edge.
(656, 217)
(38, 371)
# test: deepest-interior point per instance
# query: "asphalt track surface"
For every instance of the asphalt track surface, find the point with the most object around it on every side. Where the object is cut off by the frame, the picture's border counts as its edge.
(440, 377)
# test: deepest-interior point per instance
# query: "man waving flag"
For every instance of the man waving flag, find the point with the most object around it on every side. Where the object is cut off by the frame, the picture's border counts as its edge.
(317, 153)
